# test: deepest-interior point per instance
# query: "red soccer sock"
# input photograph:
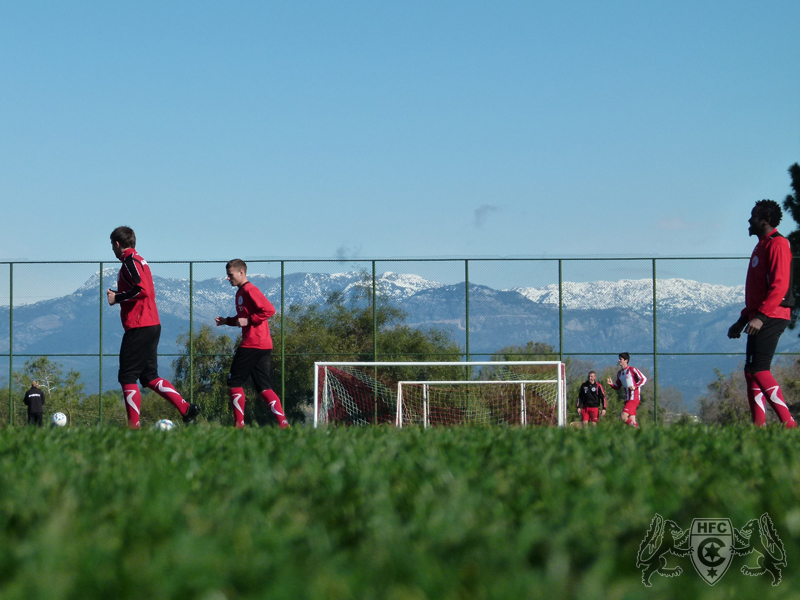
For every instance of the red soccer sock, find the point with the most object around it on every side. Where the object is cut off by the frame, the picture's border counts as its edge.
(166, 390)
(271, 398)
(772, 393)
(756, 400)
(237, 404)
(133, 403)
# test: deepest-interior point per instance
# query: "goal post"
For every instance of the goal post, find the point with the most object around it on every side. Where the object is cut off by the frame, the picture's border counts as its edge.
(523, 393)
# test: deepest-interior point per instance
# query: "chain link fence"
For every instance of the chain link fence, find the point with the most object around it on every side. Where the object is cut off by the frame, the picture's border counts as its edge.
(670, 314)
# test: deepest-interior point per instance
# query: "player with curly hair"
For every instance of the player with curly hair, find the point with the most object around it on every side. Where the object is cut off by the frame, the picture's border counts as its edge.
(768, 299)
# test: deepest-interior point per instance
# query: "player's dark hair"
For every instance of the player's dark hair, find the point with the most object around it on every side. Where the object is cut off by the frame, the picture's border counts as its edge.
(770, 211)
(237, 264)
(592, 372)
(125, 237)
(626, 356)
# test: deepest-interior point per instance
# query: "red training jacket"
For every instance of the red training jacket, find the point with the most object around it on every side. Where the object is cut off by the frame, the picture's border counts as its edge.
(768, 278)
(135, 292)
(251, 303)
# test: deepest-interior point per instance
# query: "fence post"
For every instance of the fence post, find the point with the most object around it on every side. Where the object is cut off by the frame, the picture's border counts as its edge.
(191, 331)
(466, 296)
(375, 339)
(11, 344)
(103, 298)
(655, 349)
(560, 314)
(283, 332)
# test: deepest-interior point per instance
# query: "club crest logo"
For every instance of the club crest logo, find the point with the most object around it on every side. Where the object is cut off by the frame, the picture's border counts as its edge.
(711, 541)
(713, 545)
(754, 262)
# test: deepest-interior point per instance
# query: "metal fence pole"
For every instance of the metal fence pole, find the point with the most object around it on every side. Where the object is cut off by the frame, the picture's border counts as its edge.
(100, 379)
(375, 338)
(655, 349)
(283, 332)
(560, 313)
(466, 308)
(11, 344)
(191, 331)
(374, 316)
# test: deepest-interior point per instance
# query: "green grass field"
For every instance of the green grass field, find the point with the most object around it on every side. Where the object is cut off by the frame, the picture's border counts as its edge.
(362, 513)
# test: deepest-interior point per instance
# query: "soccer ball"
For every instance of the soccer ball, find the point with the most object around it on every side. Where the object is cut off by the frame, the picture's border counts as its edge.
(59, 419)
(165, 425)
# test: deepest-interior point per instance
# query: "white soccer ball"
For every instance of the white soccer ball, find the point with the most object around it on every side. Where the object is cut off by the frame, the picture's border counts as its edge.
(165, 425)
(59, 419)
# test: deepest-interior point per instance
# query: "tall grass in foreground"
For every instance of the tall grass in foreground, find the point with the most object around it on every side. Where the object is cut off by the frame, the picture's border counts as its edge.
(455, 513)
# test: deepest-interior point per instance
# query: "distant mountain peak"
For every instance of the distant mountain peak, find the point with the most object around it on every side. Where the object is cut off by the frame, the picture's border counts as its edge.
(675, 295)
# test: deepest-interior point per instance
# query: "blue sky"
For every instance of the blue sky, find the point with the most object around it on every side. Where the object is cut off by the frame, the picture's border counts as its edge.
(410, 129)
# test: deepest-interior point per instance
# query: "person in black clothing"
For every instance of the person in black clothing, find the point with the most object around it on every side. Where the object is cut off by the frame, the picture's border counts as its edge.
(591, 398)
(34, 400)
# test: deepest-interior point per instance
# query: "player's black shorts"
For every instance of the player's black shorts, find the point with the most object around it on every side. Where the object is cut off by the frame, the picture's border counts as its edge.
(138, 355)
(761, 347)
(251, 362)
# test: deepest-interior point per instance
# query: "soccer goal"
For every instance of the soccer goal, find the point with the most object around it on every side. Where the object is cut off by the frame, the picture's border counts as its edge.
(524, 393)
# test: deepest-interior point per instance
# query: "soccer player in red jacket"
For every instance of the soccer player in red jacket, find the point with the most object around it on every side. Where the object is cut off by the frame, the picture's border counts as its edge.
(768, 300)
(138, 355)
(631, 380)
(253, 357)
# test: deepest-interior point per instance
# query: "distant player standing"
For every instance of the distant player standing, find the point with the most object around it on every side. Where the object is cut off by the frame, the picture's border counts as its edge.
(591, 398)
(253, 357)
(138, 354)
(631, 380)
(768, 299)
(34, 399)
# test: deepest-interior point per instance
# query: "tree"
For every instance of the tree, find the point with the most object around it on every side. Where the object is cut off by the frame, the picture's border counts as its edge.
(576, 370)
(792, 205)
(726, 401)
(213, 353)
(63, 393)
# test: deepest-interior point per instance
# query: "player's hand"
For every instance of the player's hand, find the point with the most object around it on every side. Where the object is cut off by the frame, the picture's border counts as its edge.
(243, 321)
(735, 330)
(754, 326)
(110, 295)
(221, 321)
(603, 414)
(609, 382)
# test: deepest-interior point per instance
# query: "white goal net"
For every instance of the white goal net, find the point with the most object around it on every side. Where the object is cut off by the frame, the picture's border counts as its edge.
(426, 394)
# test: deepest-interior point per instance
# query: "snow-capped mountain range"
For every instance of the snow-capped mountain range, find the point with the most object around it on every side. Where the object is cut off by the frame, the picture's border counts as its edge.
(674, 295)
(426, 302)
